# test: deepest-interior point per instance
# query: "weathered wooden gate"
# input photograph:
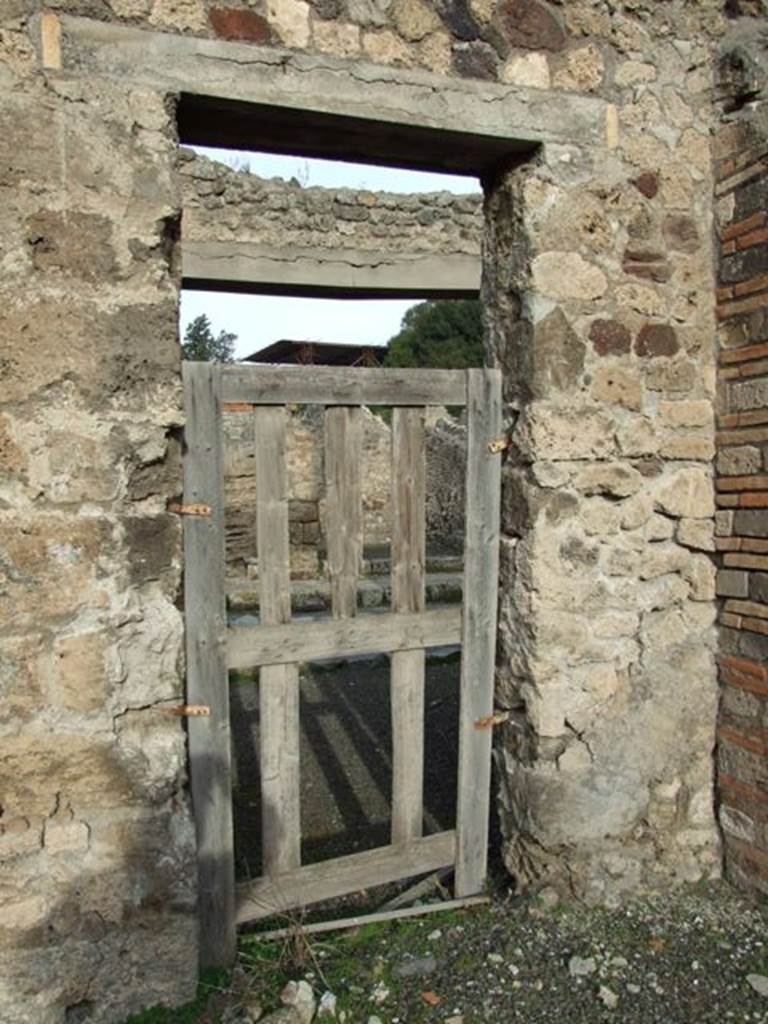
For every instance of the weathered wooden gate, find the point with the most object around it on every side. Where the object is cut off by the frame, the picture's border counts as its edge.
(278, 645)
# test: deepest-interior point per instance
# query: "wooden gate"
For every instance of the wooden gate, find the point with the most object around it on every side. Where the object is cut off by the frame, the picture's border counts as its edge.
(278, 645)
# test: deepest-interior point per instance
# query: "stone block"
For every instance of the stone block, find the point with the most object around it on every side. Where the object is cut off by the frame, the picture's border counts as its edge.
(567, 275)
(618, 387)
(732, 583)
(740, 461)
(78, 674)
(686, 493)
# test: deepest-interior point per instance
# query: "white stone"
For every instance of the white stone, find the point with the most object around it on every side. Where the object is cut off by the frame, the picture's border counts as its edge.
(326, 1008)
(291, 20)
(300, 997)
(530, 71)
(575, 758)
(566, 275)
(686, 493)
(759, 982)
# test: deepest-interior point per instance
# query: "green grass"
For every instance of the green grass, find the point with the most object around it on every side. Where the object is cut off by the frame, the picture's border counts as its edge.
(210, 982)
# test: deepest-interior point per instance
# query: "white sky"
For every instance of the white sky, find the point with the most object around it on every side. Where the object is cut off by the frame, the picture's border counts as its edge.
(258, 320)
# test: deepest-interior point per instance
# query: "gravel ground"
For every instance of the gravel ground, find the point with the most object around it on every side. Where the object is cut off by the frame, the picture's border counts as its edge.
(689, 957)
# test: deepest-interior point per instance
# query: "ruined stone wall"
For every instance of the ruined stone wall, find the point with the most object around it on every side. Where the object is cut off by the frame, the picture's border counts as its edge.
(742, 461)
(445, 477)
(222, 205)
(599, 280)
(97, 855)
(602, 270)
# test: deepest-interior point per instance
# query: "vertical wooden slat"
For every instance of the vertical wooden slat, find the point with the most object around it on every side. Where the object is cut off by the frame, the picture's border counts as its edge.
(278, 684)
(407, 667)
(344, 505)
(481, 570)
(207, 680)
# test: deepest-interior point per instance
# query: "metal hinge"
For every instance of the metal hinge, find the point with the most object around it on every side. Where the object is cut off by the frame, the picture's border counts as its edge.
(190, 510)
(189, 711)
(499, 445)
(497, 718)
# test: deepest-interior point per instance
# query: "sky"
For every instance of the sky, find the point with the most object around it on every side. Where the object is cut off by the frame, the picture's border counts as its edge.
(258, 320)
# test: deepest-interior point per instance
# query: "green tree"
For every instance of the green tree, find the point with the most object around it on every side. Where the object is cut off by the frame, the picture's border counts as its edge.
(446, 333)
(202, 344)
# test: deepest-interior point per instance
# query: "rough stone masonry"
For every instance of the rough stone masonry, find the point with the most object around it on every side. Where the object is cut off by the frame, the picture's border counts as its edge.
(600, 299)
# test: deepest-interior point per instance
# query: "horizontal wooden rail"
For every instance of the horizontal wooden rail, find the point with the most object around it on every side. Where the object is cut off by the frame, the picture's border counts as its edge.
(250, 646)
(264, 897)
(332, 385)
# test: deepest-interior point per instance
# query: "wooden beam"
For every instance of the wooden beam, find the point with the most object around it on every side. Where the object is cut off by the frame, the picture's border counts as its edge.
(207, 680)
(340, 385)
(481, 575)
(315, 882)
(344, 505)
(409, 469)
(377, 917)
(278, 683)
(315, 640)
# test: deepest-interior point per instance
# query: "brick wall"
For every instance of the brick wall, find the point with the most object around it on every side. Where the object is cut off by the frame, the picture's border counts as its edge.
(742, 498)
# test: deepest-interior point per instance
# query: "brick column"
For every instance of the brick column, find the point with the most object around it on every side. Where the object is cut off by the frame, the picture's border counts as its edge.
(742, 499)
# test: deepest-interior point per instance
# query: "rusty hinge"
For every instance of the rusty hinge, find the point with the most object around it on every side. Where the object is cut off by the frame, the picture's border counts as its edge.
(499, 445)
(198, 509)
(497, 718)
(189, 710)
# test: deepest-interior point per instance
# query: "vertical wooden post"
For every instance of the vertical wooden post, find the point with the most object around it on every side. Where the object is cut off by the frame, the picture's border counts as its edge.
(344, 505)
(407, 667)
(481, 572)
(278, 684)
(207, 679)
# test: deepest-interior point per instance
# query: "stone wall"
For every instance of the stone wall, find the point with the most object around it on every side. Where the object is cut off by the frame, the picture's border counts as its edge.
(222, 205)
(445, 468)
(598, 287)
(742, 461)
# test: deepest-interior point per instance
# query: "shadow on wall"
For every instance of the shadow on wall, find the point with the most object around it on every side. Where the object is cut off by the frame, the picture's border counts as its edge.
(99, 917)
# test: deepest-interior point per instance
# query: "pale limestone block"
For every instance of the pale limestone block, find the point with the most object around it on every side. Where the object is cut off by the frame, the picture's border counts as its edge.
(612, 126)
(18, 839)
(701, 574)
(66, 836)
(640, 298)
(661, 559)
(566, 275)
(618, 387)
(414, 19)
(546, 711)
(691, 447)
(530, 70)
(612, 478)
(676, 187)
(694, 149)
(342, 39)
(575, 758)
(600, 518)
(179, 14)
(434, 53)
(636, 511)
(612, 625)
(386, 47)
(551, 474)
(290, 20)
(637, 438)
(77, 671)
(686, 493)
(679, 113)
(686, 413)
(658, 527)
(583, 71)
(662, 592)
(551, 433)
(633, 72)
(644, 150)
(697, 534)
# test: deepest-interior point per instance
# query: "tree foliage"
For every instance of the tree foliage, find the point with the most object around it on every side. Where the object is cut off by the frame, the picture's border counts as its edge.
(445, 333)
(200, 343)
